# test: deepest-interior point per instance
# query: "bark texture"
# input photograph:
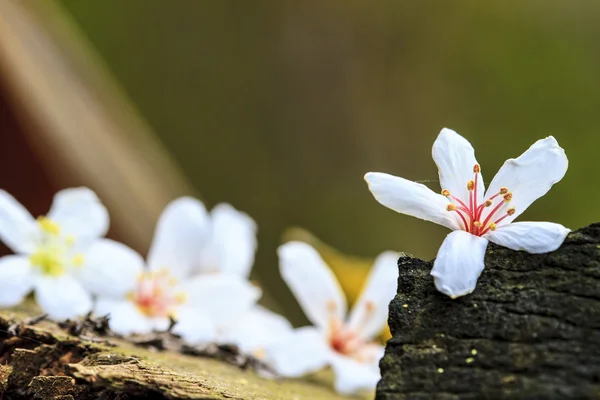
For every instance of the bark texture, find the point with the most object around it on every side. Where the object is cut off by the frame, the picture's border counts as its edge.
(42, 360)
(530, 330)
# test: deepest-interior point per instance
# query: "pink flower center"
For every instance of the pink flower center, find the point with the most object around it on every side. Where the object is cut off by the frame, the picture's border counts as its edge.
(344, 340)
(155, 294)
(348, 342)
(471, 215)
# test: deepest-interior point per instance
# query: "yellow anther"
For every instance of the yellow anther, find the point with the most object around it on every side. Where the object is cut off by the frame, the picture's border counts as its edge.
(476, 168)
(445, 192)
(440, 370)
(477, 224)
(70, 240)
(469, 360)
(492, 226)
(49, 262)
(470, 185)
(369, 307)
(181, 297)
(450, 207)
(503, 190)
(48, 226)
(511, 211)
(78, 260)
(508, 196)
(487, 203)
(331, 306)
(474, 352)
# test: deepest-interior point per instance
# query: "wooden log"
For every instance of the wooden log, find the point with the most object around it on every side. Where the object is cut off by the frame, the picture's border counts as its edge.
(530, 330)
(41, 360)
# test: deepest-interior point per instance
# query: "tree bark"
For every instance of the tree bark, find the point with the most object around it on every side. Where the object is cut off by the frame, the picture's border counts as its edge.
(43, 361)
(530, 330)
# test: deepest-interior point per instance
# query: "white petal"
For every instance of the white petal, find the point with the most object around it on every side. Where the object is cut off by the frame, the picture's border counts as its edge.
(531, 175)
(79, 213)
(257, 329)
(18, 229)
(300, 352)
(352, 376)
(62, 297)
(532, 237)
(111, 268)
(370, 313)
(411, 198)
(222, 298)
(232, 244)
(124, 317)
(181, 231)
(459, 263)
(194, 327)
(455, 159)
(313, 284)
(16, 280)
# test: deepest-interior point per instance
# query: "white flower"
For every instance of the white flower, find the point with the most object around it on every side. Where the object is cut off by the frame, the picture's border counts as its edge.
(345, 343)
(475, 217)
(50, 251)
(141, 300)
(231, 245)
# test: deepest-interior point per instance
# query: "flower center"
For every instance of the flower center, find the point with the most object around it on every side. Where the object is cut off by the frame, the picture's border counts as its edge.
(345, 340)
(156, 295)
(52, 254)
(472, 214)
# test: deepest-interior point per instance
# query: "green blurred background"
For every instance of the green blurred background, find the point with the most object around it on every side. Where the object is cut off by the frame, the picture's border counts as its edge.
(280, 107)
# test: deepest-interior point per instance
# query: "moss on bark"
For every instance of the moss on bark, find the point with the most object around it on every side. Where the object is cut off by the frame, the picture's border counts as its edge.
(45, 362)
(530, 330)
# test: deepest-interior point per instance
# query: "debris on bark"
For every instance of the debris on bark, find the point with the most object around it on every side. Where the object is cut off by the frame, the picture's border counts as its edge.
(40, 359)
(530, 330)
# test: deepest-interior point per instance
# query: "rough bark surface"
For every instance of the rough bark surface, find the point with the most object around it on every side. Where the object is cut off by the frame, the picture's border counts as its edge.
(43, 361)
(530, 330)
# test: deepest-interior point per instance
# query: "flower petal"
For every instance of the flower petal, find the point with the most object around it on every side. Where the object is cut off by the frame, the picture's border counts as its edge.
(531, 175)
(124, 317)
(370, 313)
(532, 237)
(16, 280)
(222, 298)
(232, 244)
(111, 268)
(299, 352)
(313, 284)
(181, 231)
(352, 376)
(459, 263)
(411, 198)
(455, 159)
(62, 297)
(18, 229)
(194, 327)
(80, 214)
(257, 329)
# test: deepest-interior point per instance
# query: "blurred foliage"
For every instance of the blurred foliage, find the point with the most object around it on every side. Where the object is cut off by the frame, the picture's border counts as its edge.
(280, 107)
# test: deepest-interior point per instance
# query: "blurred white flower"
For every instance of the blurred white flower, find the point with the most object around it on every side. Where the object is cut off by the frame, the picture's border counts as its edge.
(50, 252)
(142, 299)
(231, 244)
(477, 218)
(345, 343)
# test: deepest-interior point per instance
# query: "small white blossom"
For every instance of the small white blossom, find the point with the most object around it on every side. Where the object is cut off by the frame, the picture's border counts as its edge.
(346, 342)
(143, 298)
(50, 252)
(477, 217)
(231, 244)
